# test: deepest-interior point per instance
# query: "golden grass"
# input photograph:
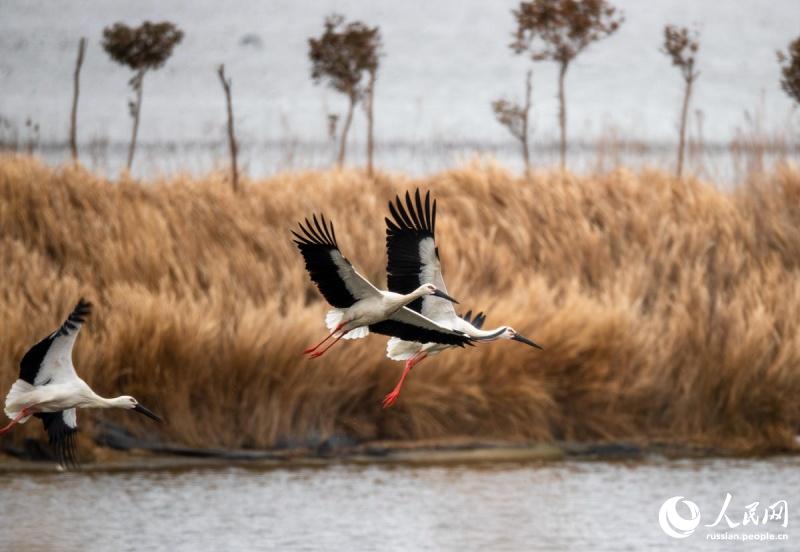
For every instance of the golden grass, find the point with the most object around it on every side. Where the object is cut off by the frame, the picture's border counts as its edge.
(668, 309)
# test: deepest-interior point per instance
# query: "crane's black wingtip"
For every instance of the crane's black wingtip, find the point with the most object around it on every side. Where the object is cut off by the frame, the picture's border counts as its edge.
(82, 308)
(320, 232)
(66, 451)
(62, 438)
(412, 214)
(78, 316)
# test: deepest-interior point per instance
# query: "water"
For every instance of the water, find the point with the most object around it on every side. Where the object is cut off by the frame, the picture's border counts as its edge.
(444, 63)
(550, 506)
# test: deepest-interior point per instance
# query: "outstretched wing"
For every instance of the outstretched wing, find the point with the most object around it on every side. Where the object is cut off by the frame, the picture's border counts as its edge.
(413, 255)
(61, 428)
(408, 325)
(50, 360)
(335, 277)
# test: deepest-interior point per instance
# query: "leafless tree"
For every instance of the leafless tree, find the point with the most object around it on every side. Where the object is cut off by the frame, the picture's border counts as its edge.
(515, 118)
(340, 57)
(141, 48)
(559, 30)
(73, 119)
(681, 45)
(33, 135)
(370, 118)
(333, 120)
(226, 87)
(790, 70)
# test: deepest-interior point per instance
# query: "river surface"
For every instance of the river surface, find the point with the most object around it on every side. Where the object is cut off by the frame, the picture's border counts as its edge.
(535, 506)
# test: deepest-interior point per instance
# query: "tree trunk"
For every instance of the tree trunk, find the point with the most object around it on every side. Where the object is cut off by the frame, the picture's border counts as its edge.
(345, 130)
(684, 114)
(562, 115)
(226, 86)
(73, 120)
(527, 109)
(370, 121)
(137, 109)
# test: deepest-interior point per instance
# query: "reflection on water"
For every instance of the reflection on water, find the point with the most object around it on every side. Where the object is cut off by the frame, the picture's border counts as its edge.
(552, 506)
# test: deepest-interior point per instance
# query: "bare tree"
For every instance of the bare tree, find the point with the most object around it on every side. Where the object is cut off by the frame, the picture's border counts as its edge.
(681, 45)
(333, 120)
(370, 118)
(226, 87)
(790, 70)
(33, 135)
(559, 30)
(73, 119)
(515, 118)
(141, 48)
(340, 57)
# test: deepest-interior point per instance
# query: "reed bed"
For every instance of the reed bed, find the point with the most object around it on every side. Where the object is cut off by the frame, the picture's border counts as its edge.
(668, 309)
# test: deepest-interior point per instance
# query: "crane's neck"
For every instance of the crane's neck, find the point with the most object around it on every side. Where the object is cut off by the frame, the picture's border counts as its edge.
(487, 335)
(403, 300)
(113, 402)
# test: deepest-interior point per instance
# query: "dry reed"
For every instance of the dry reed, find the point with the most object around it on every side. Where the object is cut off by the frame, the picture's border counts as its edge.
(668, 309)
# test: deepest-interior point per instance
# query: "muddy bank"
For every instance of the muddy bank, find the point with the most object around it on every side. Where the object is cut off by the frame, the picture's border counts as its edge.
(149, 456)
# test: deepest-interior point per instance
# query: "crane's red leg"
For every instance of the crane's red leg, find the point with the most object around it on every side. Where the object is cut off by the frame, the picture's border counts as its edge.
(22, 413)
(318, 354)
(315, 347)
(390, 399)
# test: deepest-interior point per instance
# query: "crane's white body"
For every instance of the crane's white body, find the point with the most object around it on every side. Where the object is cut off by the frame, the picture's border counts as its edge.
(49, 388)
(57, 397)
(56, 385)
(441, 312)
(397, 349)
(358, 306)
(379, 305)
(413, 259)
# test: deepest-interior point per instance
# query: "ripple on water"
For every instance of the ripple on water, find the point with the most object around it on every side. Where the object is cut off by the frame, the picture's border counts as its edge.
(550, 506)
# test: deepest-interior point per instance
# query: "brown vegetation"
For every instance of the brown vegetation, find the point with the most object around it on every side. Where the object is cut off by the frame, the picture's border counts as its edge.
(668, 309)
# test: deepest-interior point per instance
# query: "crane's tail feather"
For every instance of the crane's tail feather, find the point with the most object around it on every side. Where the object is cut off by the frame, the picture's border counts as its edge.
(333, 318)
(15, 400)
(357, 333)
(397, 349)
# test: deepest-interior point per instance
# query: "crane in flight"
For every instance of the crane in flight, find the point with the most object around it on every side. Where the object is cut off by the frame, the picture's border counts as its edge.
(49, 389)
(413, 260)
(358, 306)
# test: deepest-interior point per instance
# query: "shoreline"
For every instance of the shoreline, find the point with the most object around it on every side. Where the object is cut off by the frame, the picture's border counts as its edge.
(386, 453)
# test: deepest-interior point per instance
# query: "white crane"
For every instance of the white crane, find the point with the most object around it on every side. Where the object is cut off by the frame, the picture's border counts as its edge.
(49, 389)
(413, 260)
(358, 306)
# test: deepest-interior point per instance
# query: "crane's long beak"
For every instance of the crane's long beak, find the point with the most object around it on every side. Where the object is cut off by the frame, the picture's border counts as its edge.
(142, 410)
(443, 295)
(526, 341)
